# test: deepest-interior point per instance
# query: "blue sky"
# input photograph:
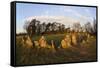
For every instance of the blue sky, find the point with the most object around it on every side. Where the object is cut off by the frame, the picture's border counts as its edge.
(26, 10)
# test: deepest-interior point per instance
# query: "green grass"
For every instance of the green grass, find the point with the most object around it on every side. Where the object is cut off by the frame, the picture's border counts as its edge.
(57, 38)
(27, 56)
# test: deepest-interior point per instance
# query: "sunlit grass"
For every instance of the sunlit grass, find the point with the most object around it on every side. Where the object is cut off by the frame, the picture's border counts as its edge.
(26, 56)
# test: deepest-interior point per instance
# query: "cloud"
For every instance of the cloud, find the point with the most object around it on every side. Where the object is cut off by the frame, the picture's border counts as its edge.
(20, 30)
(86, 17)
(67, 21)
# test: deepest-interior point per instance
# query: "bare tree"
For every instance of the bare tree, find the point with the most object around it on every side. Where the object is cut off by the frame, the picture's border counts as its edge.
(42, 27)
(76, 26)
(26, 26)
(94, 27)
(63, 27)
(88, 27)
(48, 27)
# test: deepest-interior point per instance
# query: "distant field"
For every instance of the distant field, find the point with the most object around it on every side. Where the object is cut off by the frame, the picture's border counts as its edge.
(27, 56)
(55, 37)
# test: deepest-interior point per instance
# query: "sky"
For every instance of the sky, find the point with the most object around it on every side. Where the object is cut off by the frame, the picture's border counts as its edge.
(66, 14)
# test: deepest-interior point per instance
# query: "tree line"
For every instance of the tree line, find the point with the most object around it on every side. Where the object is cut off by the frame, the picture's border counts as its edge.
(35, 27)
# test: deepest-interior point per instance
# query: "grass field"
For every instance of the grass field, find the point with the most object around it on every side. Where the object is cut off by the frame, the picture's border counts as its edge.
(27, 56)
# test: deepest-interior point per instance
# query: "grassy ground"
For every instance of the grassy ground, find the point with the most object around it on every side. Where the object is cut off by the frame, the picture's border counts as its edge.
(26, 56)
(55, 37)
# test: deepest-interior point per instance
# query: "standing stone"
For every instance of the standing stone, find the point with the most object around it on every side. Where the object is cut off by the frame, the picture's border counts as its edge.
(42, 42)
(74, 38)
(29, 42)
(65, 43)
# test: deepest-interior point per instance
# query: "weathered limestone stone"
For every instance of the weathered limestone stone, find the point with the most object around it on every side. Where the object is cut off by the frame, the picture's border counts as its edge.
(65, 43)
(42, 42)
(74, 38)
